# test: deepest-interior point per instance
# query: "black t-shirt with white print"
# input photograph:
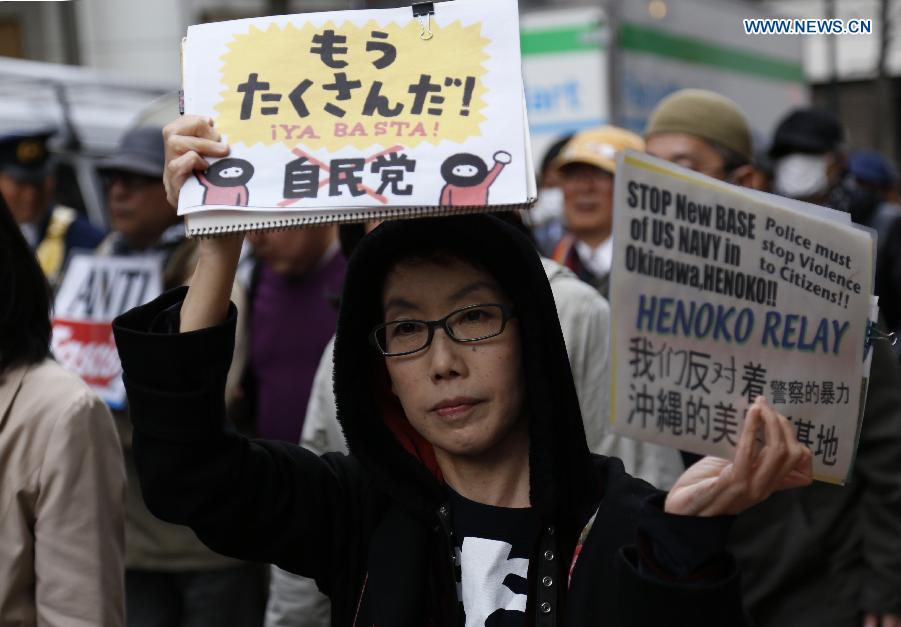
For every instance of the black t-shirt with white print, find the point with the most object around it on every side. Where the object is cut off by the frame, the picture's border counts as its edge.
(493, 545)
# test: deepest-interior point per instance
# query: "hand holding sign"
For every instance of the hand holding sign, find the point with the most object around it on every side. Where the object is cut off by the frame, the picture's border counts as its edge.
(188, 140)
(716, 487)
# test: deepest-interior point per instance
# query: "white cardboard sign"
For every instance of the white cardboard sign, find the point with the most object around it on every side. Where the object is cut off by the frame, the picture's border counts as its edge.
(721, 294)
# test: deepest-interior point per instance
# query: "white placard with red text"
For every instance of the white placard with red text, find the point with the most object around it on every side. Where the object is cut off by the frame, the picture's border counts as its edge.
(94, 291)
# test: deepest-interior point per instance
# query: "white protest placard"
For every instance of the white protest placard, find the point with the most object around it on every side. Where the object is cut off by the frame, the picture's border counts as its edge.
(720, 294)
(372, 112)
(95, 290)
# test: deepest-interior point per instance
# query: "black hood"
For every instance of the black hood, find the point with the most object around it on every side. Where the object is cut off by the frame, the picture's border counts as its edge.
(402, 463)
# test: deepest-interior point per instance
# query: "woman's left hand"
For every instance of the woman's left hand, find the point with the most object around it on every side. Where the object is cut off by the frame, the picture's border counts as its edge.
(716, 487)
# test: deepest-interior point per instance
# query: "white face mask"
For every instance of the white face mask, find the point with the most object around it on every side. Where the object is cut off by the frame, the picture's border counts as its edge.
(549, 205)
(801, 176)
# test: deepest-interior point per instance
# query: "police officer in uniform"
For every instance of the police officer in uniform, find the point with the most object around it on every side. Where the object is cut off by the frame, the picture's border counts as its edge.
(27, 186)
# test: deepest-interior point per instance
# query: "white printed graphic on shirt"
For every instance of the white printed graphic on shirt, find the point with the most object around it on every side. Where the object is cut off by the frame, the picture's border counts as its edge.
(484, 565)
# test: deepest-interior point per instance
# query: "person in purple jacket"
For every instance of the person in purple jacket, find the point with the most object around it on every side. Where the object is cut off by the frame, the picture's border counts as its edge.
(294, 289)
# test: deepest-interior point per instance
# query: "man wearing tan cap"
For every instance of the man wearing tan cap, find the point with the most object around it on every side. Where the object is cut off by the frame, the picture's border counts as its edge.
(822, 555)
(705, 132)
(586, 166)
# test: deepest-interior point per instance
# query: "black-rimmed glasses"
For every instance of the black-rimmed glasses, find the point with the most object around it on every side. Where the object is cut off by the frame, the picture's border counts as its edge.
(472, 323)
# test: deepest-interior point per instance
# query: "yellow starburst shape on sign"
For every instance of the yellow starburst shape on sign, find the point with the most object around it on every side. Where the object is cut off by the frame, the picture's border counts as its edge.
(344, 85)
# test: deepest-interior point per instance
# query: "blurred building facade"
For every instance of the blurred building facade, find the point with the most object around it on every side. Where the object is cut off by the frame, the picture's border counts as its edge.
(856, 76)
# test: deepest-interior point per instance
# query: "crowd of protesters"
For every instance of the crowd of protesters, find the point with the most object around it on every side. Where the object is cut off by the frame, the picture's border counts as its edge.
(192, 505)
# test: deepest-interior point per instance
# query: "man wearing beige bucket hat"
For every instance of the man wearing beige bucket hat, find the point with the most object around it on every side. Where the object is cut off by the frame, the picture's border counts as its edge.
(586, 165)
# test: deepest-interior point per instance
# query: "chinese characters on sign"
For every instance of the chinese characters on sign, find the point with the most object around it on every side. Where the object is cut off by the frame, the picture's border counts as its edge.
(686, 380)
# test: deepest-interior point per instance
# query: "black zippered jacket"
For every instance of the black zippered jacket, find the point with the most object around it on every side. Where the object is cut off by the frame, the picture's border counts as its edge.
(370, 527)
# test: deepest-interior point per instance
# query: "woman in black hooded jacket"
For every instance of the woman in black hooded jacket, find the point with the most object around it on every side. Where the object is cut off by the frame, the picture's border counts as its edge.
(469, 496)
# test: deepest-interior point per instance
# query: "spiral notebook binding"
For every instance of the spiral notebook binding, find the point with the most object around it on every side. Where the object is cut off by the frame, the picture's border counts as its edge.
(363, 215)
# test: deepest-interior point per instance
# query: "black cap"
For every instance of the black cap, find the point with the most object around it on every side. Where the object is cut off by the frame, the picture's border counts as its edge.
(809, 131)
(24, 155)
(140, 151)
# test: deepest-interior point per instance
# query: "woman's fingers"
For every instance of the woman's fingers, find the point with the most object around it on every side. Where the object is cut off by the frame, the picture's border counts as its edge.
(801, 474)
(785, 462)
(193, 125)
(797, 451)
(756, 472)
(744, 453)
(767, 475)
(188, 139)
(177, 172)
(192, 133)
(797, 470)
(181, 144)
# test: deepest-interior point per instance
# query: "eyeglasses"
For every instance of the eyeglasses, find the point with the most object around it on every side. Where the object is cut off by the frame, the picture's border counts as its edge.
(472, 323)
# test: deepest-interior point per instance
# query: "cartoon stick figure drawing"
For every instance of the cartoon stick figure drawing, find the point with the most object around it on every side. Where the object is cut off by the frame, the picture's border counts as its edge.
(225, 182)
(468, 179)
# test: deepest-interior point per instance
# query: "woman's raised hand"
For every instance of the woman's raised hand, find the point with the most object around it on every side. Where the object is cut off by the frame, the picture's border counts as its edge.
(715, 487)
(188, 140)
